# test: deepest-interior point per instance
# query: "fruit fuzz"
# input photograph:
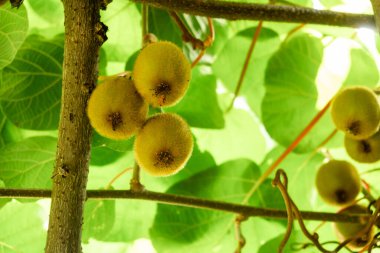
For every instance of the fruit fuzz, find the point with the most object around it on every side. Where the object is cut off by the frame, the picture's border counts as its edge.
(115, 109)
(161, 73)
(356, 111)
(338, 182)
(163, 145)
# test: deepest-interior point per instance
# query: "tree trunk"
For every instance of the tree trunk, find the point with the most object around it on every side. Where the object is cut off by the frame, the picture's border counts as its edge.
(82, 43)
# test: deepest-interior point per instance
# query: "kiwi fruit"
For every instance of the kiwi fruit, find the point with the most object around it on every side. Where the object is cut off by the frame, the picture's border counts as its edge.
(346, 230)
(115, 108)
(355, 111)
(161, 73)
(364, 151)
(338, 182)
(163, 145)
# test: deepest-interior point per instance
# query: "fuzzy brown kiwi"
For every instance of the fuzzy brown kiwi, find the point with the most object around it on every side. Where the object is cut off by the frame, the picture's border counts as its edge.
(346, 230)
(161, 73)
(115, 108)
(163, 145)
(338, 182)
(364, 151)
(355, 111)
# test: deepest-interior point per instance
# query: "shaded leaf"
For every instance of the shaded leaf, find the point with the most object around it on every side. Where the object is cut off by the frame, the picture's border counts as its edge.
(200, 107)
(28, 163)
(21, 228)
(240, 138)
(99, 217)
(229, 64)
(13, 30)
(291, 94)
(30, 90)
(197, 230)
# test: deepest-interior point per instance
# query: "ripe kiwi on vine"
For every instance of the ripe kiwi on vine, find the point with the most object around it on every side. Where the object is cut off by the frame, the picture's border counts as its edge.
(338, 182)
(364, 151)
(163, 145)
(356, 111)
(115, 109)
(346, 230)
(161, 73)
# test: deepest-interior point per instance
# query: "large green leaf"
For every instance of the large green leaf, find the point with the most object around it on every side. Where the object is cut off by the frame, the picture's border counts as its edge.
(186, 229)
(199, 107)
(124, 30)
(50, 10)
(240, 137)
(363, 69)
(291, 94)
(99, 217)
(21, 228)
(13, 30)
(229, 64)
(30, 90)
(163, 26)
(28, 163)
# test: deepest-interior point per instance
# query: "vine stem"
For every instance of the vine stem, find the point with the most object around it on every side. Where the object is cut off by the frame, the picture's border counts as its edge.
(265, 12)
(255, 37)
(290, 148)
(187, 201)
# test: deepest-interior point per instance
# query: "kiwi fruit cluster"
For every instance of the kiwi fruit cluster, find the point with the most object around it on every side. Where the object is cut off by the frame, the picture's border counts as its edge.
(356, 111)
(118, 108)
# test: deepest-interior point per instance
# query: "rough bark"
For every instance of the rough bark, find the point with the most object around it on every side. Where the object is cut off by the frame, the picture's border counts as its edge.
(266, 12)
(82, 44)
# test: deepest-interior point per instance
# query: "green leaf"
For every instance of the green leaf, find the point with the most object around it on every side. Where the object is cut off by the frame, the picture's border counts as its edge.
(163, 26)
(196, 230)
(30, 90)
(101, 156)
(240, 138)
(117, 145)
(21, 228)
(3, 201)
(363, 69)
(229, 64)
(291, 94)
(99, 217)
(124, 30)
(28, 163)
(50, 10)
(13, 30)
(199, 107)
(133, 220)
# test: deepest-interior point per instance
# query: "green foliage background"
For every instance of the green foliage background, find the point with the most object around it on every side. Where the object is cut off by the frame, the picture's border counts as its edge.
(288, 81)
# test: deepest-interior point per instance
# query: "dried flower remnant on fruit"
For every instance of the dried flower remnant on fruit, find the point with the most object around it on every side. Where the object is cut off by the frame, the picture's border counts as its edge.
(164, 159)
(115, 120)
(161, 73)
(163, 145)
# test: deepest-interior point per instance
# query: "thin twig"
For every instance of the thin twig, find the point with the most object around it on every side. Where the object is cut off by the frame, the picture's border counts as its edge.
(144, 22)
(282, 186)
(186, 34)
(238, 233)
(135, 184)
(109, 185)
(265, 12)
(255, 38)
(194, 202)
